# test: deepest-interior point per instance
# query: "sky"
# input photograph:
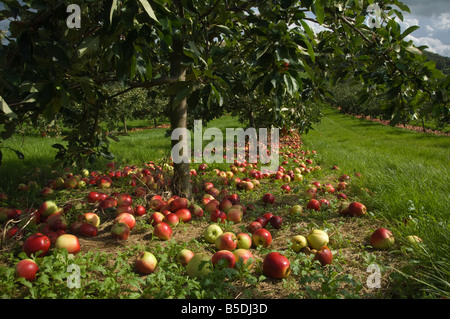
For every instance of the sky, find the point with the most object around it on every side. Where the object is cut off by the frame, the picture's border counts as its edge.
(432, 16)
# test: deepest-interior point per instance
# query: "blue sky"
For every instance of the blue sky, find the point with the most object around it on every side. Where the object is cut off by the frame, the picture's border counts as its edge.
(432, 16)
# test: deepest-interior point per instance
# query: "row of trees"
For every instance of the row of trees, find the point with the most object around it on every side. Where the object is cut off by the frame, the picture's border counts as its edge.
(259, 58)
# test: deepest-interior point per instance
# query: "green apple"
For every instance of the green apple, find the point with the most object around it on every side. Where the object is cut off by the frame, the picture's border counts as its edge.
(413, 240)
(212, 232)
(298, 243)
(199, 265)
(317, 239)
(244, 241)
(296, 210)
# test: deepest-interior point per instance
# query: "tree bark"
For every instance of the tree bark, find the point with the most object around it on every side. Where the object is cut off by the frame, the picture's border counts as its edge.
(181, 178)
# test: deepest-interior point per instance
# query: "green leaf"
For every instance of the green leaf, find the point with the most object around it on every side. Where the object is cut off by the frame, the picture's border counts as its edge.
(319, 11)
(6, 109)
(88, 46)
(148, 9)
(409, 30)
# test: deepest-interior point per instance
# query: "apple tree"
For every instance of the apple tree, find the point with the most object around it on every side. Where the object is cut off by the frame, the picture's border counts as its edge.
(207, 57)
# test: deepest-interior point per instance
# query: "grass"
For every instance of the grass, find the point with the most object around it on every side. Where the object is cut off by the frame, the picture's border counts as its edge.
(408, 173)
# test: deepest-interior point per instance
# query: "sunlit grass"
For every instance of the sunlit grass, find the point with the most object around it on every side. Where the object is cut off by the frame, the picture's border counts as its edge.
(408, 173)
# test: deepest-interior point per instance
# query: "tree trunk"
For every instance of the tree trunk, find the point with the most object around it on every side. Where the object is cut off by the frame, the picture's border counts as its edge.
(124, 121)
(178, 119)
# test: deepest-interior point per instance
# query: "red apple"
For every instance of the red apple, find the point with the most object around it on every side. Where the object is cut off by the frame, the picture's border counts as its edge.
(124, 209)
(184, 215)
(126, 218)
(162, 231)
(172, 219)
(218, 216)
(311, 192)
(57, 222)
(324, 256)
(156, 218)
(139, 210)
(234, 199)
(254, 226)
(196, 210)
(156, 204)
(226, 241)
(276, 221)
(184, 255)
(276, 265)
(324, 203)
(207, 186)
(104, 182)
(226, 255)
(244, 256)
(212, 205)
(235, 215)
(69, 242)
(356, 209)
(107, 203)
(145, 263)
(27, 268)
(35, 243)
(91, 218)
(225, 205)
(382, 238)
(87, 230)
(313, 204)
(120, 231)
(262, 237)
(178, 203)
(124, 199)
(268, 198)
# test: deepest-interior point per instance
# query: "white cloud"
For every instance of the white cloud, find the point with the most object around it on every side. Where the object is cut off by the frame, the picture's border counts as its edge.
(442, 22)
(434, 45)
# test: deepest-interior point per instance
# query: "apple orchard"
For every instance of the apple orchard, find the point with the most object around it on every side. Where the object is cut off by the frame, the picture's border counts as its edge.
(93, 226)
(259, 231)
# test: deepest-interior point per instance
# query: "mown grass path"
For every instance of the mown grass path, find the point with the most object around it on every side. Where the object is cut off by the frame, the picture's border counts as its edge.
(408, 173)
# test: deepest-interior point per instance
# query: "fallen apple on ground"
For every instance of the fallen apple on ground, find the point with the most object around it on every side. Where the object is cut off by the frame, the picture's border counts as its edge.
(382, 238)
(145, 263)
(276, 265)
(27, 269)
